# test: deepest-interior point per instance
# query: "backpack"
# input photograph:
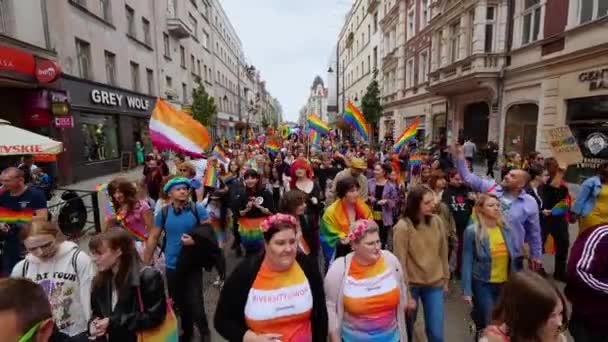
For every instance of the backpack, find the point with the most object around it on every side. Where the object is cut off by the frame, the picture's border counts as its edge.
(212, 247)
(74, 262)
(72, 215)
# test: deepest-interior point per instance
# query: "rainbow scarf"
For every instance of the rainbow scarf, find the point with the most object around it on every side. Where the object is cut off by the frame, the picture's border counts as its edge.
(210, 179)
(10, 216)
(408, 134)
(251, 234)
(335, 224)
(355, 118)
(315, 123)
(220, 155)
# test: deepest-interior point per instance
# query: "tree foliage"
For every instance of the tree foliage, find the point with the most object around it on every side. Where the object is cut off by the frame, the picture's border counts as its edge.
(370, 104)
(203, 105)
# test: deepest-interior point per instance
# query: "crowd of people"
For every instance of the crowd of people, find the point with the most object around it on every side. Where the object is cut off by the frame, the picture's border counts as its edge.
(339, 242)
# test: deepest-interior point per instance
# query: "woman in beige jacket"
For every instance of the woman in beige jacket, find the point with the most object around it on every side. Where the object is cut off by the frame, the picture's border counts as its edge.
(365, 291)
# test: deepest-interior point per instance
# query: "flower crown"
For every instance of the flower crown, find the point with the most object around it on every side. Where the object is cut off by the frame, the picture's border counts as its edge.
(276, 219)
(359, 229)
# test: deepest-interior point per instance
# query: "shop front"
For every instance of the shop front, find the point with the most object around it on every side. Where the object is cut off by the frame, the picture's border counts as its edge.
(108, 124)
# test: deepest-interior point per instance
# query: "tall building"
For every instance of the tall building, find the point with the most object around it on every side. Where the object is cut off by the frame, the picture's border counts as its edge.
(317, 99)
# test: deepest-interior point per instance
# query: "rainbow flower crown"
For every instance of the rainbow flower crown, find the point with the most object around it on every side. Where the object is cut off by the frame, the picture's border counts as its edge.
(359, 229)
(277, 219)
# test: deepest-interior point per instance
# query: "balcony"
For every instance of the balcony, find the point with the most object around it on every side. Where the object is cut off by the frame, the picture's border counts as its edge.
(178, 28)
(373, 4)
(389, 61)
(391, 17)
(466, 74)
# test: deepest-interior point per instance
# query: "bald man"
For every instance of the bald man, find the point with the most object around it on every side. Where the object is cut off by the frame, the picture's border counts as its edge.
(520, 210)
(21, 200)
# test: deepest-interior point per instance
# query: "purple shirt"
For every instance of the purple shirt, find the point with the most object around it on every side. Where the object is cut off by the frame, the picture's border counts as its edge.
(522, 216)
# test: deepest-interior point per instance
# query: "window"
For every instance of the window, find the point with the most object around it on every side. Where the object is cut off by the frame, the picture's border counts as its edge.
(375, 57)
(470, 32)
(83, 53)
(205, 38)
(410, 24)
(369, 31)
(182, 56)
(205, 76)
(134, 76)
(184, 93)
(166, 45)
(110, 60)
(169, 82)
(105, 10)
(409, 74)
(150, 79)
(130, 13)
(369, 63)
(490, 22)
(375, 22)
(531, 21)
(439, 48)
(194, 24)
(145, 24)
(423, 68)
(198, 67)
(192, 68)
(454, 41)
(424, 13)
(592, 9)
(100, 135)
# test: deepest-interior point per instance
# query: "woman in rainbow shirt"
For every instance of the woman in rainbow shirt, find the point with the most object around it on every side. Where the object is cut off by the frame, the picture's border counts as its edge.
(487, 259)
(366, 294)
(276, 295)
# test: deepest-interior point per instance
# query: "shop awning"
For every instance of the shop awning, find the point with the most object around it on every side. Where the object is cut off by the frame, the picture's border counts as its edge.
(17, 141)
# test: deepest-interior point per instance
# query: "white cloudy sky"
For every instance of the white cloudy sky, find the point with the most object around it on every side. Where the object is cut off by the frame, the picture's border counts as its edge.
(289, 41)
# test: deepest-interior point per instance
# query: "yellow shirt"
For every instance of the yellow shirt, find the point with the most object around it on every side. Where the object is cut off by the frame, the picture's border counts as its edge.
(599, 213)
(499, 272)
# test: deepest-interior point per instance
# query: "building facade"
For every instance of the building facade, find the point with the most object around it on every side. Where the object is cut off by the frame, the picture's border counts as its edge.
(317, 102)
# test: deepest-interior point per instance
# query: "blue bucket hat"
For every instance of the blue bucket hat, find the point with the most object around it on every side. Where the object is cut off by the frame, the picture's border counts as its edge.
(175, 181)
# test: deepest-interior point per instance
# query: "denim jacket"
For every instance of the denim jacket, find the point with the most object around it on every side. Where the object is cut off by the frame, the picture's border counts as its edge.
(585, 199)
(477, 262)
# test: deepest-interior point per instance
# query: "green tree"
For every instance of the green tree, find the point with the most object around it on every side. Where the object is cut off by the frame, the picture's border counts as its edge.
(370, 104)
(203, 106)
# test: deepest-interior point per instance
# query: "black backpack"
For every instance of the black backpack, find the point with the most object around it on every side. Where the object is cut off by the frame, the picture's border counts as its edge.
(72, 215)
(210, 247)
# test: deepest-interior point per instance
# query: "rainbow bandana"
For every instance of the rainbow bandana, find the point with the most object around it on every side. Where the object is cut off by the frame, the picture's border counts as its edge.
(251, 233)
(335, 224)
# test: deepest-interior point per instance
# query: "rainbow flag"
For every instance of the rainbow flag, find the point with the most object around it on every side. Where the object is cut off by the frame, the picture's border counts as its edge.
(355, 118)
(108, 208)
(335, 224)
(167, 331)
(10, 216)
(408, 134)
(273, 146)
(315, 137)
(210, 179)
(315, 123)
(560, 209)
(220, 234)
(171, 129)
(220, 155)
(251, 234)
(415, 159)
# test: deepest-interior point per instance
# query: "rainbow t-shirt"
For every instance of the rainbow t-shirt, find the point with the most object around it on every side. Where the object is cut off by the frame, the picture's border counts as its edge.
(371, 299)
(280, 303)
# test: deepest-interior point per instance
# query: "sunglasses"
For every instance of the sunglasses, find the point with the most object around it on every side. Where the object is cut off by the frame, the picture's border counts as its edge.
(42, 247)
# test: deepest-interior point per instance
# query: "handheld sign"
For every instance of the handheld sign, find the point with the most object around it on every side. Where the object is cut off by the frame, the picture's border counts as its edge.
(563, 145)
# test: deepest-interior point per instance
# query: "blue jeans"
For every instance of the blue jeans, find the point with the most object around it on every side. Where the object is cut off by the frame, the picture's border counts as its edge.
(432, 301)
(485, 296)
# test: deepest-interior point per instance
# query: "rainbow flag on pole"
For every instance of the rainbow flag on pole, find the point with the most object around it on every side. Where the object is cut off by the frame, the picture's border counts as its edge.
(355, 118)
(220, 155)
(408, 134)
(415, 159)
(210, 179)
(315, 137)
(315, 123)
(175, 130)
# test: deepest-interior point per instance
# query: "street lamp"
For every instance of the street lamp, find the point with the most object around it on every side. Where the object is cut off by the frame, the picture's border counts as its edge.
(356, 98)
(330, 70)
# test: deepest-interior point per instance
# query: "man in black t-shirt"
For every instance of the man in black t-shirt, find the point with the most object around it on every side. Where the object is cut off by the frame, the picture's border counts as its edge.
(19, 204)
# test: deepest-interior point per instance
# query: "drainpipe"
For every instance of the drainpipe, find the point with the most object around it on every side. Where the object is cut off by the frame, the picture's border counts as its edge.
(45, 24)
(500, 81)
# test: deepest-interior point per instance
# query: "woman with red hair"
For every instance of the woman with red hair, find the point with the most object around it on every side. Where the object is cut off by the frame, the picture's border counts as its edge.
(302, 180)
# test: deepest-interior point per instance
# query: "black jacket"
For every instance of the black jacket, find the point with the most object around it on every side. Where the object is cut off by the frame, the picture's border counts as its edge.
(203, 254)
(229, 320)
(127, 318)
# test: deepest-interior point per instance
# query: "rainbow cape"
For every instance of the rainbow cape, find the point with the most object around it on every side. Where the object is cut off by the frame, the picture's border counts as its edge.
(210, 179)
(355, 118)
(560, 209)
(10, 216)
(408, 134)
(415, 159)
(335, 224)
(171, 129)
(220, 155)
(251, 234)
(315, 123)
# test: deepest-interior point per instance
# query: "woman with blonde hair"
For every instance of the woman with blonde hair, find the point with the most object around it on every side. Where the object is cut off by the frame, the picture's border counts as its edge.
(488, 258)
(63, 271)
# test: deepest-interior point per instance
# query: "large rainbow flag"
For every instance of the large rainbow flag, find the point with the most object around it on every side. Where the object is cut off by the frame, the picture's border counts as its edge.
(335, 224)
(315, 123)
(175, 130)
(355, 118)
(408, 134)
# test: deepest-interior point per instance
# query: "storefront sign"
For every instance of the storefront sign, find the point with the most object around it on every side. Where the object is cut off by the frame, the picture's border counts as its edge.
(596, 143)
(20, 149)
(564, 146)
(16, 61)
(64, 121)
(47, 71)
(113, 99)
(597, 79)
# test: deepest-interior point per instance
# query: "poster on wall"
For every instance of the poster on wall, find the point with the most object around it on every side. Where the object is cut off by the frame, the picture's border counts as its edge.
(563, 145)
